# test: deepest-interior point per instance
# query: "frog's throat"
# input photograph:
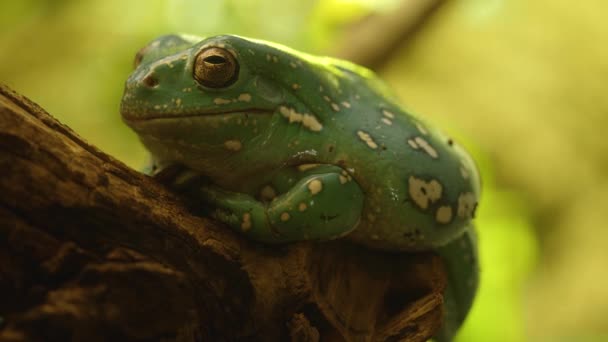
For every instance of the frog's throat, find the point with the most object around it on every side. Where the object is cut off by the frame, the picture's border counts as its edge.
(139, 116)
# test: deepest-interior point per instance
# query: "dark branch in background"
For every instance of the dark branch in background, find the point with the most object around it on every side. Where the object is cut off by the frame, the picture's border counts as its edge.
(91, 250)
(373, 40)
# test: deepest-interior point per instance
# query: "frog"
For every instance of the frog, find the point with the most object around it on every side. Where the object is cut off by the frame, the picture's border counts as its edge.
(298, 147)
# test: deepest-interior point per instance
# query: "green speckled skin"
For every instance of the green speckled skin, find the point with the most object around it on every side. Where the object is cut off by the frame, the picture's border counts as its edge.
(304, 147)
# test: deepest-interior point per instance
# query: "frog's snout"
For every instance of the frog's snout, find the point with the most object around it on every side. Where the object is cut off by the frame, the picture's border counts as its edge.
(150, 80)
(146, 79)
(169, 71)
(141, 86)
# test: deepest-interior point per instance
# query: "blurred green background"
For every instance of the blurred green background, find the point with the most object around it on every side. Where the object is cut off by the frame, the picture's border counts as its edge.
(521, 83)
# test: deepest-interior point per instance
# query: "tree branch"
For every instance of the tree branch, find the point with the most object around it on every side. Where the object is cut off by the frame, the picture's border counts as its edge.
(92, 250)
(374, 39)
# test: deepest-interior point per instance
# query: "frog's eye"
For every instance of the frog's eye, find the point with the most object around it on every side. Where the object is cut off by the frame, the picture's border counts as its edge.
(215, 68)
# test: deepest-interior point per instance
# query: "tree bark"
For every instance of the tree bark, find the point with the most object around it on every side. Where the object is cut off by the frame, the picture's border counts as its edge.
(92, 250)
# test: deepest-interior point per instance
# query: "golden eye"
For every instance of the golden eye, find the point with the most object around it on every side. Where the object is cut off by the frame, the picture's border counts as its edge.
(215, 68)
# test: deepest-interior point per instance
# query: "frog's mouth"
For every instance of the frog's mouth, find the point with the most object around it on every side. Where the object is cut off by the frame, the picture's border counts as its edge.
(135, 117)
(198, 127)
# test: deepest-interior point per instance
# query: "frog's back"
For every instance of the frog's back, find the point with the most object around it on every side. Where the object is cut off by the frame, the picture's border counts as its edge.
(421, 188)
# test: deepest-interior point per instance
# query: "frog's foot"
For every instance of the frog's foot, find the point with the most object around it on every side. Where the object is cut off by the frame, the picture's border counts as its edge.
(174, 175)
(322, 205)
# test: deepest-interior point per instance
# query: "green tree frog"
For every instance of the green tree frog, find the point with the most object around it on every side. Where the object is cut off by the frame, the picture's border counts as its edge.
(300, 147)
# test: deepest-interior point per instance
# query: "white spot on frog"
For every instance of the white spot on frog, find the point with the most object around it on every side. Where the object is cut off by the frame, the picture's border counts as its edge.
(345, 104)
(178, 102)
(221, 101)
(387, 121)
(466, 205)
(285, 216)
(245, 97)
(293, 65)
(388, 114)
(423, 144)
(345, 177)
(413, 144)
(306, 167)
(421, 128)
(309, 121)
(335, 107)
(275, 59)
(233, 145)
(444, 214)
(302, 206)
(422, 192)
(246, 223)
(295, 86)
(367, 139)
(463, 172)
(326, 98)
(315, 186)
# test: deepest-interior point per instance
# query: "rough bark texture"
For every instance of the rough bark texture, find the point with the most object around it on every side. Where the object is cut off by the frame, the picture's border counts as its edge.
(92, 250)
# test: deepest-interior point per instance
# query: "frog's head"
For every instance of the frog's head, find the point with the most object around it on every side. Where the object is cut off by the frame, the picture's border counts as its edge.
(224, 100)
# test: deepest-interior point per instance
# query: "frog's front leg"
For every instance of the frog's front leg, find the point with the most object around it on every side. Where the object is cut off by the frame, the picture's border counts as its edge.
(323, 204)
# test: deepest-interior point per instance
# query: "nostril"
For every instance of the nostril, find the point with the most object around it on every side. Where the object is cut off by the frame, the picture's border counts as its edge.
(150, 81)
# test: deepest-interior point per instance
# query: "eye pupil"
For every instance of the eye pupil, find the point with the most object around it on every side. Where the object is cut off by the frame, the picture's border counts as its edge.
(215, 59)
(215, 67)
